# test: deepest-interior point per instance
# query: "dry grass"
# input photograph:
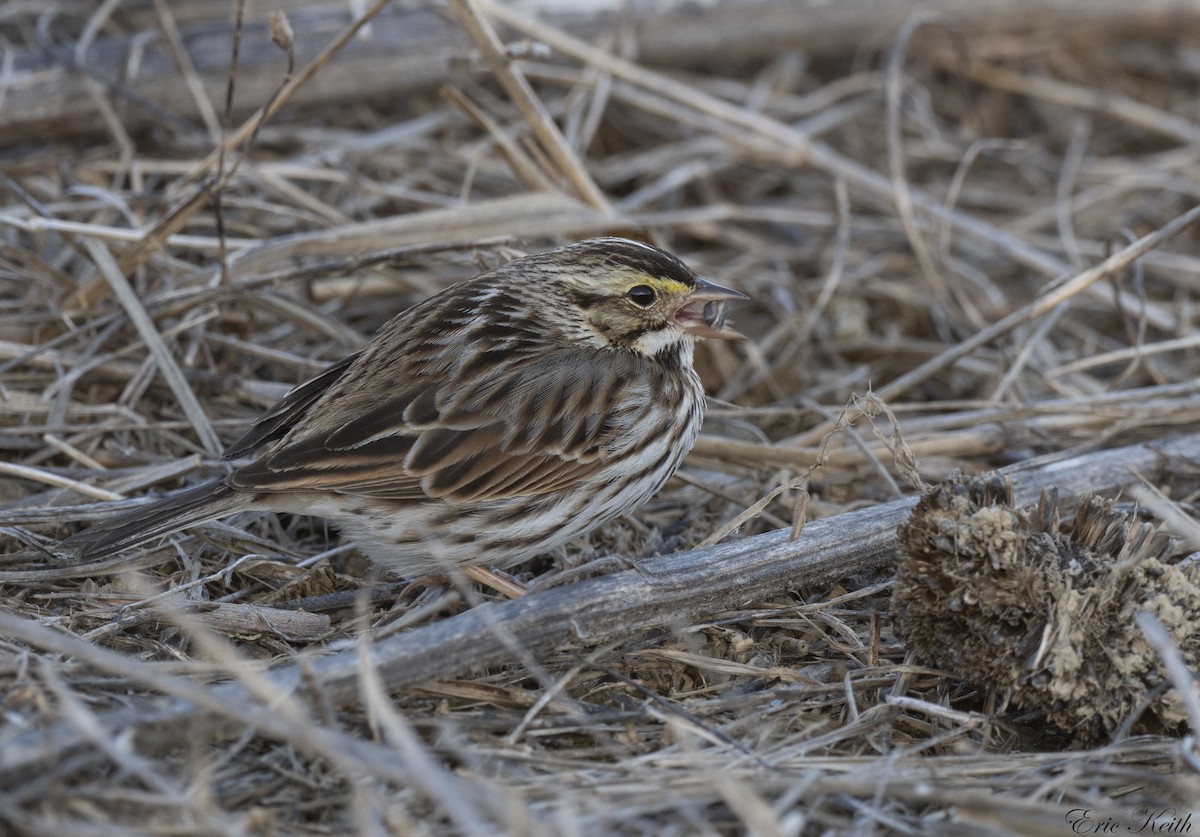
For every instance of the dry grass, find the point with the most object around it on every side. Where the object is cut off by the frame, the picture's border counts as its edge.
(900, 221)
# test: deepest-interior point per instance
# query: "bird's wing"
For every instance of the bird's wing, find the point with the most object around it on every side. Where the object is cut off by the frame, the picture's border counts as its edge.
(276, 422)
(530, 428)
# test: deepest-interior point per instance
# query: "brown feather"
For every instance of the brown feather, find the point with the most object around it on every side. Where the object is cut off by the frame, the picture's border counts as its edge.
(499, 418)
(528, 428)
(277, 421)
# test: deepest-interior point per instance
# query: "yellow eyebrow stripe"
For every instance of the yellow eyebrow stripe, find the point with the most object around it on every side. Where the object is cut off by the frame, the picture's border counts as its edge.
(659, 283)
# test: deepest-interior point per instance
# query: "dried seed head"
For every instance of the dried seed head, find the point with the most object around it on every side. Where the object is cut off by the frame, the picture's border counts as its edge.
(1043, 613)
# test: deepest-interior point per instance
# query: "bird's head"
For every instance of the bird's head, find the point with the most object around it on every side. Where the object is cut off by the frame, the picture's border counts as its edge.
(628, 295)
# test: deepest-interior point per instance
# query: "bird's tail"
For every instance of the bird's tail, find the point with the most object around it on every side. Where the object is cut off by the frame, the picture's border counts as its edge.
(160, 518)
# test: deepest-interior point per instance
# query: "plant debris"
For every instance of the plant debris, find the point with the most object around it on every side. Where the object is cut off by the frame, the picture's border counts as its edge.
(1042, 613)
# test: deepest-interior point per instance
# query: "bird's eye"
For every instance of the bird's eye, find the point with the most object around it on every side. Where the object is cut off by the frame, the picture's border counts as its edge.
(641, 295)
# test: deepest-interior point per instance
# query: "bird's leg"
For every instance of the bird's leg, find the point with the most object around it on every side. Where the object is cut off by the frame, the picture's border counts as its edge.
(501, 582)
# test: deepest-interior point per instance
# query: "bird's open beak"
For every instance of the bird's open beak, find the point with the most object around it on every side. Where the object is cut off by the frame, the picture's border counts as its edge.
(705, 312)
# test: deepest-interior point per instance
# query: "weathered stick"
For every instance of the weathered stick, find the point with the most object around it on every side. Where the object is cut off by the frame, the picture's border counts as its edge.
(673, 590)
